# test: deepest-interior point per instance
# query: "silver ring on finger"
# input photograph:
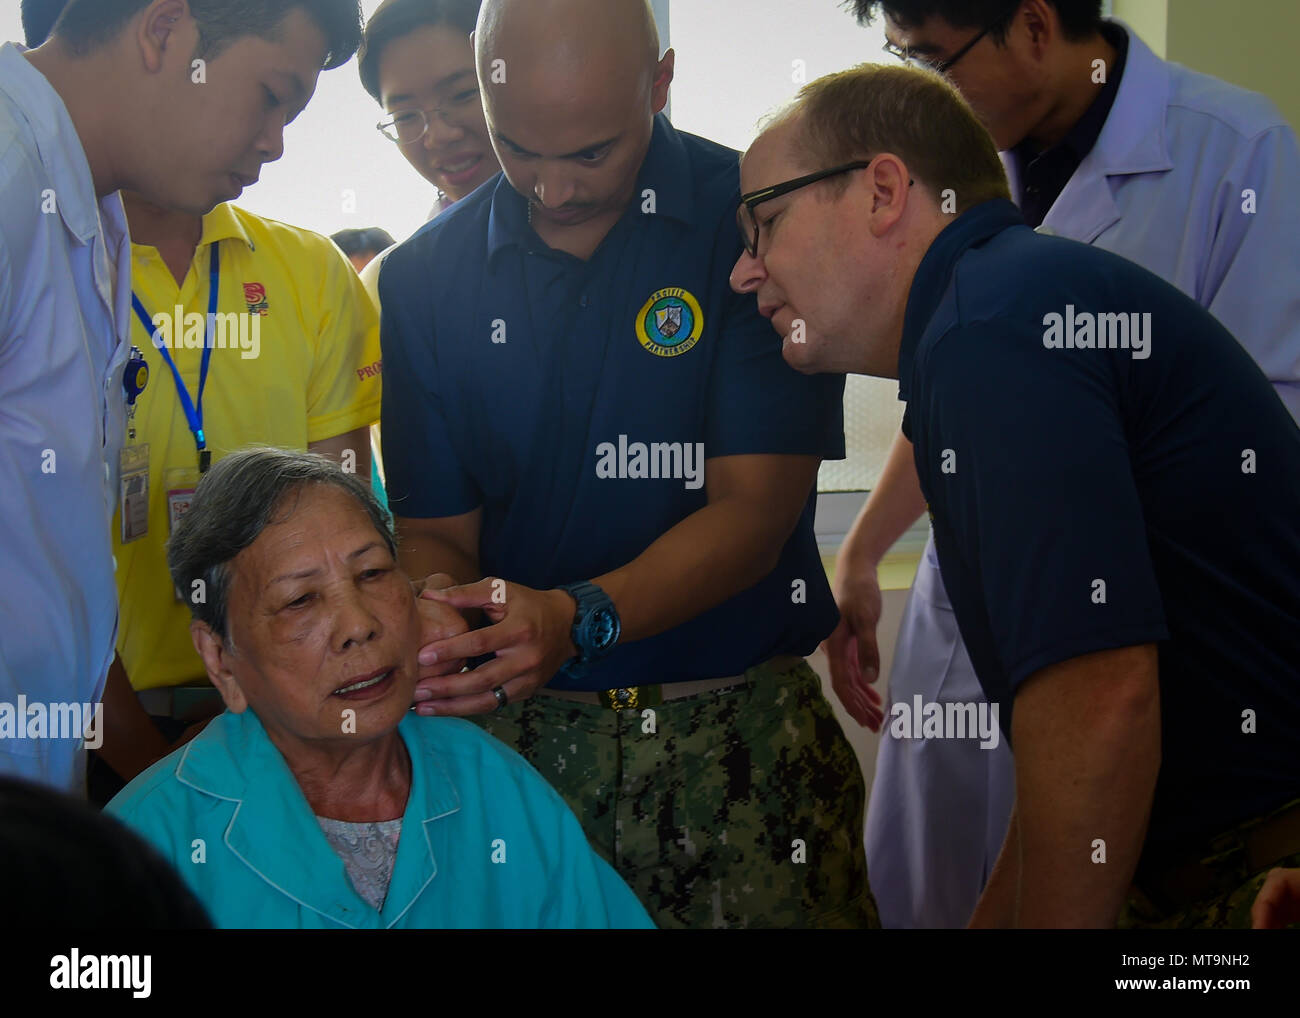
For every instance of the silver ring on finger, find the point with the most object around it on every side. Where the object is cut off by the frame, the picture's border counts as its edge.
(502, 698)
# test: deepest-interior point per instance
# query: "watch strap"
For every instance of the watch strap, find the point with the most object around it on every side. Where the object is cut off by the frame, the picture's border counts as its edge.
(589, 598)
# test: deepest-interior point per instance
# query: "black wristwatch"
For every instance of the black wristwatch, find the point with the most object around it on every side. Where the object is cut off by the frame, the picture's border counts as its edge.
(596, 625)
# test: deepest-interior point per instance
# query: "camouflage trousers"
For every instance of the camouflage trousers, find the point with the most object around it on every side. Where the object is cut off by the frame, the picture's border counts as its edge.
(740, 807)
(1236, 883)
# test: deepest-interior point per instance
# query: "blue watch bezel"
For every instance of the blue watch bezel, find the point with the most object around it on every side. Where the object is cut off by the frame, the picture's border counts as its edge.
(595, 608)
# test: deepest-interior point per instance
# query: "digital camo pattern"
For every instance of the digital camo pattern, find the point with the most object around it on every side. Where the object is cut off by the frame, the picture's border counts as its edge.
(736, 808)
(1236, 885)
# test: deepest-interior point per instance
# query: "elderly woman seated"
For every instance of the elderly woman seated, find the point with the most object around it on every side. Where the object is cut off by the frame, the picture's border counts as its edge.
(318, 799)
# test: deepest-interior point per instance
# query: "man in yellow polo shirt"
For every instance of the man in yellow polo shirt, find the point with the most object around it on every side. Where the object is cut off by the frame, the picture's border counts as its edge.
(291, 344)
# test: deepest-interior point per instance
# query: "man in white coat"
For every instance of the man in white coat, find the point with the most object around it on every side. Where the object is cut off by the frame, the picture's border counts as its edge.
(1107, 144)
(111, 101)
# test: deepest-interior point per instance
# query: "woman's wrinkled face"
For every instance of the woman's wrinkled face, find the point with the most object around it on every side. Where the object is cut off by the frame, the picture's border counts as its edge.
(323, 626)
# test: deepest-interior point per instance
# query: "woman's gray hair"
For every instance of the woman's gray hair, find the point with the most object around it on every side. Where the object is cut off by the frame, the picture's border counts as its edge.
(233, 504)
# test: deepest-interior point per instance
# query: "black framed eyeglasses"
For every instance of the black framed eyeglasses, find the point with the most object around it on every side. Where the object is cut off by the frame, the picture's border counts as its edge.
(942, 66)
(748, 222)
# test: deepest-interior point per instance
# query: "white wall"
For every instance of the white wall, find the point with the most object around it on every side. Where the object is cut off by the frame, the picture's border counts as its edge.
(737, 59)
(11, 27)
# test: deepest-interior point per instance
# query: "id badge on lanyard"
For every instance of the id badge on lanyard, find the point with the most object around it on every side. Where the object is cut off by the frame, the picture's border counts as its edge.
(193, 408)
(133, 506)
(180, 483)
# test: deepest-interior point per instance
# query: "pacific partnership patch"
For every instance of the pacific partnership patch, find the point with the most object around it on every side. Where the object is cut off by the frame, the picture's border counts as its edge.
(670, 323)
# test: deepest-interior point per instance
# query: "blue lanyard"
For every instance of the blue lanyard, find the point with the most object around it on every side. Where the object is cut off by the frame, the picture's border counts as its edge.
(193, 412)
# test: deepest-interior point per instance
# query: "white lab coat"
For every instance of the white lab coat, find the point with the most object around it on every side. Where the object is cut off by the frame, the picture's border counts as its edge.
(1180, 163)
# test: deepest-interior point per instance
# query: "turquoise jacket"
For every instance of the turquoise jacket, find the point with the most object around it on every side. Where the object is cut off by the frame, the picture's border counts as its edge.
(485, 841)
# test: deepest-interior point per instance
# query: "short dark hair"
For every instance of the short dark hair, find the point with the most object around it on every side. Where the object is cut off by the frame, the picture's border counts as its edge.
(39, 17)
(88, 24)
(1079, 18)
(234, 502)
(67, 866)
(353, 242)
(396, 18)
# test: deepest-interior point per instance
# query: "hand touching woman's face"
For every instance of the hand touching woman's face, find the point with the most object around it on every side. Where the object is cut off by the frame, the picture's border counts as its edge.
(323, 626)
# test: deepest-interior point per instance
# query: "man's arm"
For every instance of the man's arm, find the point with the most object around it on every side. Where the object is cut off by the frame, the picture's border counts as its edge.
(851, 650)
(343, 387)
(131, 740)
(718, 551)
(355, 442)
(448, 545)
(754, 505)
(996, 909)
(1087, 745)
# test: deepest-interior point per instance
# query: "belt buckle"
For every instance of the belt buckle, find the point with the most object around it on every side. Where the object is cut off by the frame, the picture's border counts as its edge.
(630, 697)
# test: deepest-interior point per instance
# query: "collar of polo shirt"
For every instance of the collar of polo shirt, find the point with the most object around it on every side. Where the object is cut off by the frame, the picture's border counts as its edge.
(933, 274)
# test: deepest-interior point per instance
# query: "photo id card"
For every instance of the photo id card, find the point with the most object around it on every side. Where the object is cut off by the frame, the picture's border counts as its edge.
(133, 504)
(181, 483)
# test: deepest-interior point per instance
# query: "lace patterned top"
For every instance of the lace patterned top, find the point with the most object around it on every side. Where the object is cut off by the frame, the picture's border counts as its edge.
(368, 852)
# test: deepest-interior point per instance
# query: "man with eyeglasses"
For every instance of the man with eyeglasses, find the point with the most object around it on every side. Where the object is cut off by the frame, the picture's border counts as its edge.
(416, 60)
(1112, 486)
(1105, 143)
(601, 443)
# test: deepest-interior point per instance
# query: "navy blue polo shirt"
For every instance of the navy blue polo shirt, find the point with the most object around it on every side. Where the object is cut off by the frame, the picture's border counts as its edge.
(1087, 498)
(575, 401)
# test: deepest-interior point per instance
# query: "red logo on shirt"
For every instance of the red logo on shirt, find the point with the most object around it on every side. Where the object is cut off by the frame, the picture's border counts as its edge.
(255, 298)
(371, 371)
